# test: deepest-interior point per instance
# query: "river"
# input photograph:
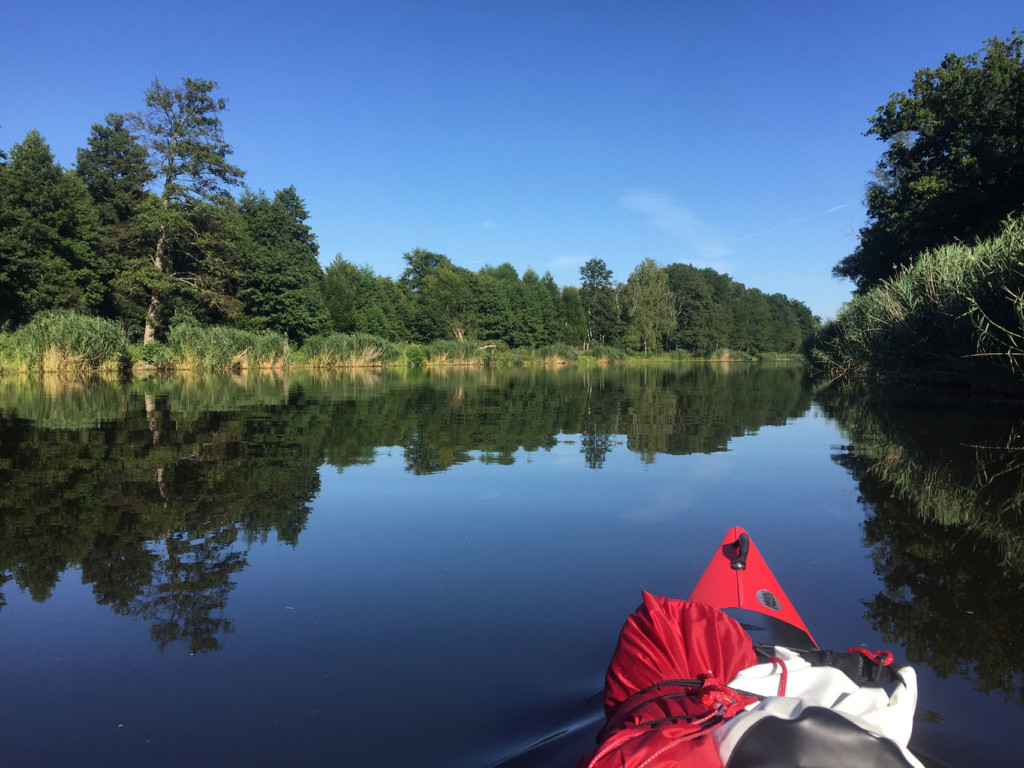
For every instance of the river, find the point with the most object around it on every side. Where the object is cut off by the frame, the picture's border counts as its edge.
(385, 568)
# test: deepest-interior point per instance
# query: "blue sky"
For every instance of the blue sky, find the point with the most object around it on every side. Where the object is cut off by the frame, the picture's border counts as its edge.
(726, 135)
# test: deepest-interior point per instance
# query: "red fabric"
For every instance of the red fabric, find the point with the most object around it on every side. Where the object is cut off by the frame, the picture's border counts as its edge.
(666, 640)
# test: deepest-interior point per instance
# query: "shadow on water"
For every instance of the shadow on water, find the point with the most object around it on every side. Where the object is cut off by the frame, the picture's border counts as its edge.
(944, 485)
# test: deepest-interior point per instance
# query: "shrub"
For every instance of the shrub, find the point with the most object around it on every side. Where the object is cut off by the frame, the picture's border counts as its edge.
(415, 355)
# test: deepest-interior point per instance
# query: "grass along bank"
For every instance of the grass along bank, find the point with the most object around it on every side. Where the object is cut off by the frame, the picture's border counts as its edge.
(954, 316)
(65, 342)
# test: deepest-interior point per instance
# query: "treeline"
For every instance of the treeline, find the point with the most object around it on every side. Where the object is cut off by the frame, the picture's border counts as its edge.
(940, 289)
(674, 308)
(153, 229)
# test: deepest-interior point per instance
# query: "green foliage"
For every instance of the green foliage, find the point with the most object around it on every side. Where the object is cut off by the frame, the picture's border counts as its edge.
(559, 352)
(415, 355)
(154, 353)
(280, 284)
(649, 307)
(49, 234)
(97, 241)
(715, 314)
(597, 295)
(956, 315)
(954, 166)
(572, 318)
(185, 138)
(696, 319)
(64, 341)
(357, 300)
(115, 170)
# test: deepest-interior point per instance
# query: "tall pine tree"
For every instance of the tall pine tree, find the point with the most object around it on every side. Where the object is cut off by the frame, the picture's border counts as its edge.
(182, 130)
(48, 237)
(115, 170)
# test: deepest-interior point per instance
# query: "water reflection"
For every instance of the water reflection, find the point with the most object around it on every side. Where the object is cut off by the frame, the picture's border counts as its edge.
(944, 483)
(156, 488)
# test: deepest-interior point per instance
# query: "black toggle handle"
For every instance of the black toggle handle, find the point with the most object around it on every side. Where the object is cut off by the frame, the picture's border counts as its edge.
(742, 545)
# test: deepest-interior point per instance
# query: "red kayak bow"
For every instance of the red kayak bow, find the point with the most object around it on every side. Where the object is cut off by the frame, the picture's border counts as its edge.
(739, 582)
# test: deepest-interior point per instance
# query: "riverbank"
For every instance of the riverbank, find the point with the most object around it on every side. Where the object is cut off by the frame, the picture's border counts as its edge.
(955, 316)
(64, 342)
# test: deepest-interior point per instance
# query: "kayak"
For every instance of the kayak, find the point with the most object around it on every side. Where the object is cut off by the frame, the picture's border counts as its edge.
(733, 678)
(739, 582)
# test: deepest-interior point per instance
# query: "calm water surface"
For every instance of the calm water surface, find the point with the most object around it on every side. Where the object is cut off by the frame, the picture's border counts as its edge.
(392, 569)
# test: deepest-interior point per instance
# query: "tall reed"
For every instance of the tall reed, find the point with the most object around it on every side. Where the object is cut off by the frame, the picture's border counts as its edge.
(345, 350)
(64, 342)
(218, 348)
(463, 352)
(956, 314)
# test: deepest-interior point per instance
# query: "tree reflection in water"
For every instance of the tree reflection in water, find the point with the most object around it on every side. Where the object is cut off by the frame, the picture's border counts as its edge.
(157, 488)
(944, 485)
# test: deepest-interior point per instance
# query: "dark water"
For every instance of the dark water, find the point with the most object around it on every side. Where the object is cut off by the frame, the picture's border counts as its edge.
(393, 569)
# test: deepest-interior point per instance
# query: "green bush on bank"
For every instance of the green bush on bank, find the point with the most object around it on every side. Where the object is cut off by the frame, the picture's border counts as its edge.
(59, 341)
(415, 355)
(956, 314)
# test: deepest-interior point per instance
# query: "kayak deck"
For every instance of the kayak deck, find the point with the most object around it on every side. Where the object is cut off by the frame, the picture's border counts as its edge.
(739, 582)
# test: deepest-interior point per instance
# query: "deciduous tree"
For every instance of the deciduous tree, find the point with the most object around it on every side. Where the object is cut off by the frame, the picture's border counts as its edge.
(954, 166)
(649, 307)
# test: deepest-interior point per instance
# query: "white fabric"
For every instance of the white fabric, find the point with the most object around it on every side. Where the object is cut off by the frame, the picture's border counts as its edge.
(872, 709)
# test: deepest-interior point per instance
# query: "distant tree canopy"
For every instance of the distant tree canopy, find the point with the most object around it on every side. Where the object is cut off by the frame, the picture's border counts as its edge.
(146, 230)
(954, 167)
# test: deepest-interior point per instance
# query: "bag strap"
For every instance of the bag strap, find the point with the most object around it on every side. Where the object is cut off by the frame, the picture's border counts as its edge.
(863, 667)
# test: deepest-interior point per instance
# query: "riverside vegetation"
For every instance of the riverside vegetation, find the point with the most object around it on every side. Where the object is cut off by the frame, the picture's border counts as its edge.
(940, 265)
(150, 251)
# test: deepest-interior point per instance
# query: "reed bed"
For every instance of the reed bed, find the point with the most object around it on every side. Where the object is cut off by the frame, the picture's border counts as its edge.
(458, 353)
(955, 315)
(64, 342)
(218, 348)
(342, 350)
(601, 354)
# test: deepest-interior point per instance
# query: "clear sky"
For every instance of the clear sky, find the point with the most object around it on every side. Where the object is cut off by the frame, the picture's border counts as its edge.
(725, 135)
